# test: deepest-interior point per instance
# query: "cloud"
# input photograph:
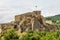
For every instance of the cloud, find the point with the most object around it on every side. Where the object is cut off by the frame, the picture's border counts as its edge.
(10, 8)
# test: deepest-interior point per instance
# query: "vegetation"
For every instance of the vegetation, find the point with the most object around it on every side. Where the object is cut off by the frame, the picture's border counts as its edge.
(42, 36)
(33, 35)
(10, 35)
(53, 18)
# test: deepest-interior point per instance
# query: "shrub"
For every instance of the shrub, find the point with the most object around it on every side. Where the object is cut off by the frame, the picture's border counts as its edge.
(11, 35)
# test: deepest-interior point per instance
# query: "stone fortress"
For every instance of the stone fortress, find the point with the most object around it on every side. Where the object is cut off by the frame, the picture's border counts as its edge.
(28, 21)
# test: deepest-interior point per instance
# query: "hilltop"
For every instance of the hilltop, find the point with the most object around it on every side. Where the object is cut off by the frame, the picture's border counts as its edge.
(28, 21)
(56, 17)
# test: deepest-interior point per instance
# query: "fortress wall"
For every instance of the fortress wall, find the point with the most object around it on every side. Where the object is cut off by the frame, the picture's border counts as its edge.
(34, 13)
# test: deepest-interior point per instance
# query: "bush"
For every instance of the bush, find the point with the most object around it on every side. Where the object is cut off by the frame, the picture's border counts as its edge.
(31, 35)
(52, 35)
(11, 35)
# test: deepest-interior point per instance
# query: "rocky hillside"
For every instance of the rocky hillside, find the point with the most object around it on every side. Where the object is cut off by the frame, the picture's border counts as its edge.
(29, 21)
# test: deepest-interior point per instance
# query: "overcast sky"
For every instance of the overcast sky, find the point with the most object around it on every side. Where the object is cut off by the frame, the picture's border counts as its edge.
(10, 8)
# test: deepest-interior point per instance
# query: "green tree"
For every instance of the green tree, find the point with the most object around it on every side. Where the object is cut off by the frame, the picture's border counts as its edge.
(11, 35)
(31, 35)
